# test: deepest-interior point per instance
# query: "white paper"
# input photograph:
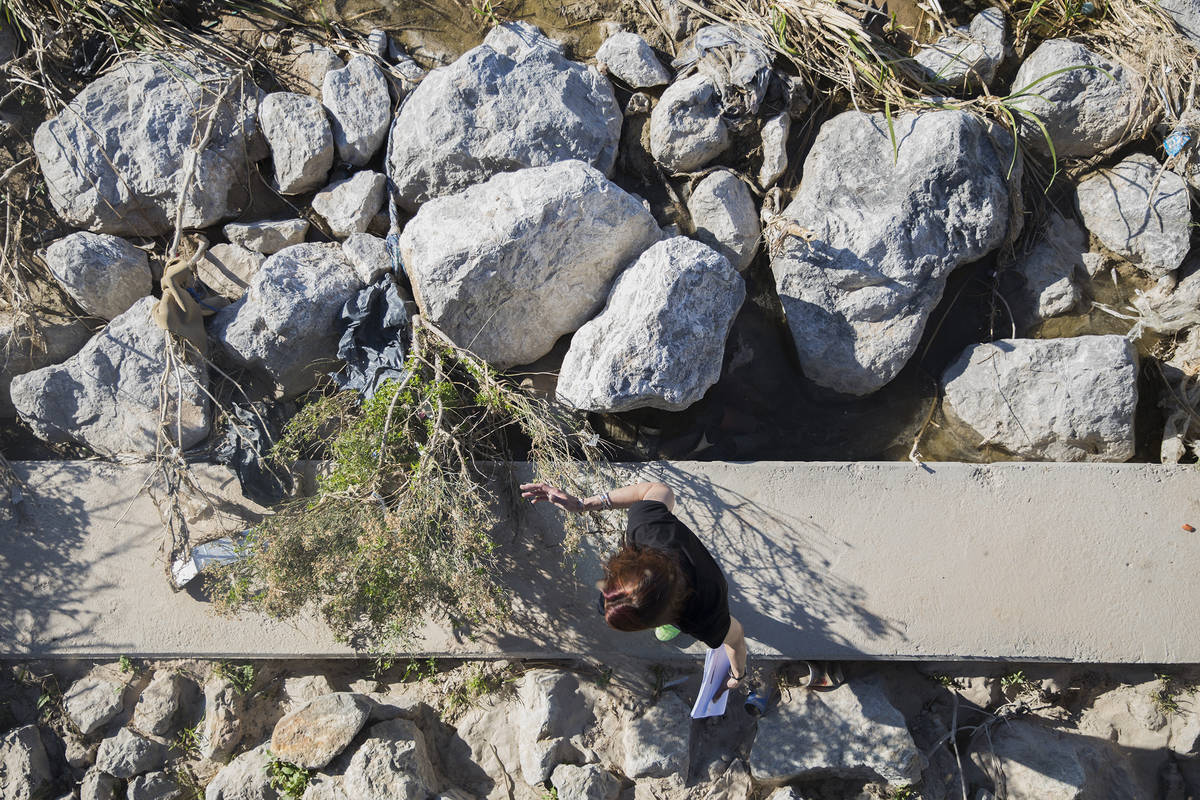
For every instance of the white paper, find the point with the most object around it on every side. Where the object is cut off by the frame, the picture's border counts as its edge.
(716, 671)
(218, 551)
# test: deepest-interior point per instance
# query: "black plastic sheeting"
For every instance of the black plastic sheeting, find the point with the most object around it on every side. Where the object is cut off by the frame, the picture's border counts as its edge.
(376, 338)
(252, 431)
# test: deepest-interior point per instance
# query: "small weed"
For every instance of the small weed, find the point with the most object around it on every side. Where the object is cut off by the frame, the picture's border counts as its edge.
(549, 793)
(1166, 697)
(126, 665)
(189, 785)
(420, 670)
(242, 677)
(944, 680)
(1014, 681)
(289, 779)
(486, 12)
(382, 665)
(904, 793)
(603, 678)
(478, 682)
(187, 742)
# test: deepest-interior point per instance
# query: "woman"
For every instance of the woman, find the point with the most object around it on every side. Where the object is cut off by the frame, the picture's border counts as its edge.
(662, 575)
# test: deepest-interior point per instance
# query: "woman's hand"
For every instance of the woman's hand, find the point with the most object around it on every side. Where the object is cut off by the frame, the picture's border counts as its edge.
(544, 492)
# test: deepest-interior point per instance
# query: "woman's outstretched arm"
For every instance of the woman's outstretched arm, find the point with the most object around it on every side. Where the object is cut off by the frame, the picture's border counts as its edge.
(623, 497)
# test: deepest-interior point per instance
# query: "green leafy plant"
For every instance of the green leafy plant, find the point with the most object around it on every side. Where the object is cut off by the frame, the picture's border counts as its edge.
(126, 664)
(487, 12)
(1171, 689)
(288, 778)
(904, 793)
(417, 670)
(187, 742)
(550, 793)
(1014, 681)
(944, 680)
(241, 676)
(478, 682)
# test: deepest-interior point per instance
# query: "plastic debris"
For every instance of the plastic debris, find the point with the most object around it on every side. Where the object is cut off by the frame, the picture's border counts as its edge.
(376, 338)
(737, 62)
(252, 430)
(1175, 143)
(218, 551)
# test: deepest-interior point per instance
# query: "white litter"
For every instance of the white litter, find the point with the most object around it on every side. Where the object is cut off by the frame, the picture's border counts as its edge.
(716, 670)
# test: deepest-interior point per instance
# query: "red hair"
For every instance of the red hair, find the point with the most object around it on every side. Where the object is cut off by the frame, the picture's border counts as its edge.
(643, 587)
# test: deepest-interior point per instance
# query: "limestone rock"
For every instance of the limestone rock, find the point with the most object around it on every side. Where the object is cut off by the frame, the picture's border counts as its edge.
(660, 340)
(686, 128)
(228, 269)
(114, 159)
(486, 737)
(656, 743)
(1091, 106)
(285, 323)
(517, 39)
(552, 710)
(349, 205)
(774, 146)
(725, 217)
(510, 288)
(127, 754)
(300, 139)
(1047, 399)
(360, 108)
(22, 350)
(627, 57)
(154, 786)
(223, 705)
(159, 704)
(1048, 274)
(104, 274)
(313, 734)
(244, 778)
(78, 753)
(369, 255)
(500, 108)
(107, 395)
(1116, 206)
(24, 768)
(887, 227)
(97, 786)
(304, 69)
(850, 732)
(967, 56)
(300, 689)
(589, 782)
(92, 701)
(1186, 14)
(269, 236)
(325, 787)
(391, 764)
(1051, 765)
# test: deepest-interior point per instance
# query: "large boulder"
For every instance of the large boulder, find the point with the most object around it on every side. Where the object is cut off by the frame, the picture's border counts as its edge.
(115, 159)
(160, 702)
(224, 706)
(660, 340)
(1086, 102)
(850, 732)
(1046, 399)
(349, 205)
(268, 236)
(1140, 211)
(725, 217)
(228, 269)
(313, 734)
(1048, 276)
(108, 396)
(301, 141)
(244, 778)
(541, 265)
(360, 108)
(589, 782)
(552, 711)
(392, 763)
(26, 345)
(512, 102)
(874, 231)
(93, 700)
(104, 274)
(967, 56)
(285, 324)
(656, 743)
(126, 754)
(627, 57)
(160, 785)
(24, 767)
(686, 127)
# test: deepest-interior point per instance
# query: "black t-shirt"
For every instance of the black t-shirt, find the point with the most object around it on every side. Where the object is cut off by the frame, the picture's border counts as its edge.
(705, 613)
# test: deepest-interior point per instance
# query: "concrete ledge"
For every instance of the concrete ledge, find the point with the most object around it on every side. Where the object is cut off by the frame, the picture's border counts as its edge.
(1080, 562)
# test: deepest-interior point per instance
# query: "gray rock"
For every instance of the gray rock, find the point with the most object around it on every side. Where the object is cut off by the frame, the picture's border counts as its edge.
(360, 109)
(24, 768)
(686, 128)
(325, 787)
(316, 732)
(656, 743)
(104, 274)
(304, 69)
(1186, 14)
(1092, 106)
(97, 786)
(1048, 273)
(1052, 765)
(54, 339)
(269, 236)
(499, 110)
(542, 265)
(159, 704)
(725, 217)
(850, 732)
(391, 764)
(127, 754)
(154, 786)
(348, 206)
(228, 269)
(244, 778)
(627, 57)
(299, 689)
(589, 782)
(967, 56)
(92, 701)
(78, 753)
(223, 707)
(517, 39)
(552, 710)
(1047, 399)
(368, 254)
(107, 395)
(660, 340)
(284, 326)
(113, 159)
(774, 149)
(1116, 206)
(887, 228)
(300, 139)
